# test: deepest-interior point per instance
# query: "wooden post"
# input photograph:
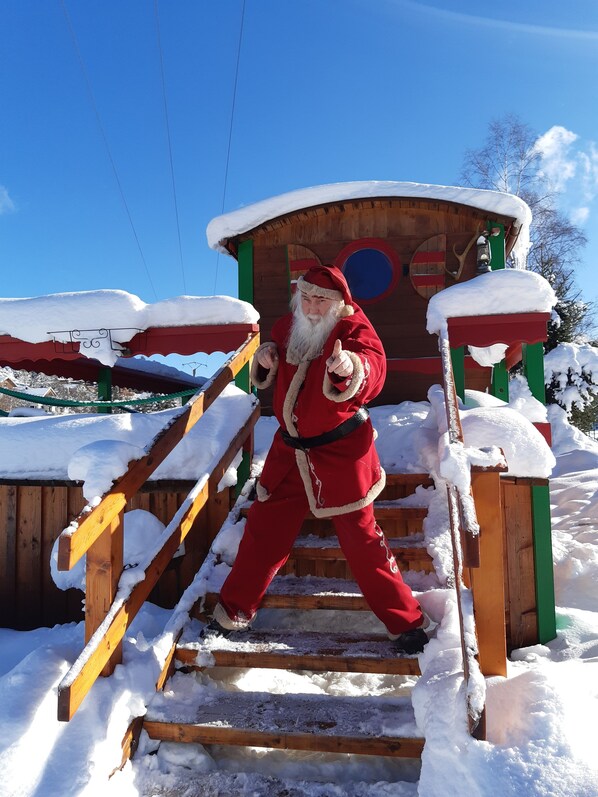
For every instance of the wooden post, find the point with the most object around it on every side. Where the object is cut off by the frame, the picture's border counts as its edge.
(28, 557)
(458, 361)
(545, 600)
(497, 246)
(500, 381)
(104, 567)
(105, 388)
(245, 291)
(488, 580)
(242, 380)
(533, 368)
(245, 280)
(8, 554)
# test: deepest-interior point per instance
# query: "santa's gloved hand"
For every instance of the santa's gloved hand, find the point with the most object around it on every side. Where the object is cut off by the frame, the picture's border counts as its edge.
(339, 362)
(267, 355)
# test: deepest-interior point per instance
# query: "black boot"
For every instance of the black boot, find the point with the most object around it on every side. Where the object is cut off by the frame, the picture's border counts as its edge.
(411, 642)
(214, 629)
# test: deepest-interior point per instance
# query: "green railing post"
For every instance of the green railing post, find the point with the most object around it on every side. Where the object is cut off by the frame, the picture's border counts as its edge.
(458, 361)
(105, 388)
(500, 381)
(545, 599)
(497, 247)
(242, 380)
(533, 368)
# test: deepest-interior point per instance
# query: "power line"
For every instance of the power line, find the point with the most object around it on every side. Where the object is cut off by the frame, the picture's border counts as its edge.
(104, 137)
(230, 129)
(176, 207)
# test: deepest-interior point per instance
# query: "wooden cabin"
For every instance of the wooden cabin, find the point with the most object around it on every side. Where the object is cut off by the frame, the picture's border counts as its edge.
(398, 244)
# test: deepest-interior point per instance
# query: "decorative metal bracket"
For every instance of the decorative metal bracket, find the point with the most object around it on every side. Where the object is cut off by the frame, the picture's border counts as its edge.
(89, 340)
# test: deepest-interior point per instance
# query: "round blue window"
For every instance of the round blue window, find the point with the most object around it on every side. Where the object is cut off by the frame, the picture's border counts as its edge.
(369, 273)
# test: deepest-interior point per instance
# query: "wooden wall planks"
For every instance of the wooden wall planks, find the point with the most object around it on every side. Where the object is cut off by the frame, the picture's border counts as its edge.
(32, 516)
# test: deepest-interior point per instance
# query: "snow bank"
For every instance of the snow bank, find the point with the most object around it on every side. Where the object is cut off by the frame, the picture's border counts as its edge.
(52, 447)
(239, 221)
(498, 292)
(408, 436)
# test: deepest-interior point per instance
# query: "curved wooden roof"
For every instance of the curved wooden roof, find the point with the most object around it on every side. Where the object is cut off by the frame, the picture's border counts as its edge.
(225, 232)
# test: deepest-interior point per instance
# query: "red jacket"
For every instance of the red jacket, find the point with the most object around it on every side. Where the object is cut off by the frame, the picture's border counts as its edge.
(345, 475)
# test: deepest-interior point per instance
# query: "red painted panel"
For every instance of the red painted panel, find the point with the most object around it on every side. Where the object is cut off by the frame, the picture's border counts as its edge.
(425, 365)
(510, 328)
(546, 431)
(428, 279)
(156, 340)
(429, 257)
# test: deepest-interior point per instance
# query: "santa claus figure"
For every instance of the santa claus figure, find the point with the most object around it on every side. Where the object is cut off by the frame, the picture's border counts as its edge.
(326, 362)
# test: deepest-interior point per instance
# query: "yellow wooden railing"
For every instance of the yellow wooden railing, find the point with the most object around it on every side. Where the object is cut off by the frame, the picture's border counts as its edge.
(98, 532)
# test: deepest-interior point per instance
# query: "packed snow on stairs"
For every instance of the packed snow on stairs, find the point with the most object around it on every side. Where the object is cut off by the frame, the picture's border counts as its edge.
(342, 681)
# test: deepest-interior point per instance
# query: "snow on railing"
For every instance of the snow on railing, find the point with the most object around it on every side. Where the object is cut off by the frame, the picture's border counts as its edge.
(465, 535)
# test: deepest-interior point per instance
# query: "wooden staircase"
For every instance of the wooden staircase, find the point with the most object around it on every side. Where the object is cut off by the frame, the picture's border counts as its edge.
(316, 577)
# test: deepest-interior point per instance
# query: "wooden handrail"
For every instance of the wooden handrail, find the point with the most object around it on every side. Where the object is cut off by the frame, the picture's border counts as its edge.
(98, 651)
(467, 521)
(475, 714)
(111, 604)
(476, 524)
(75, 540)
(464, 536)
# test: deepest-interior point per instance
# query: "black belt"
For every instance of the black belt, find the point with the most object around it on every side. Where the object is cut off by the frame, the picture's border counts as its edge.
(342, 430)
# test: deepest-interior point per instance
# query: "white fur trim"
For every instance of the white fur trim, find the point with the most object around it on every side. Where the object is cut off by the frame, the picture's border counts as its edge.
(346, 311)
(314, 290)
(239, 623)
(262, 493)
(332, 391)
(291, 398)
(344, 509)
(261, 384)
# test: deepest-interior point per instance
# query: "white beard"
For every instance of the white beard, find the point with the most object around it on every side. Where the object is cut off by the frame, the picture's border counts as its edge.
(307, 337)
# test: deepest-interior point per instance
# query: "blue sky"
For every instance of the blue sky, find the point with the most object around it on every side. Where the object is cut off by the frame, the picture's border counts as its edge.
(327, 91)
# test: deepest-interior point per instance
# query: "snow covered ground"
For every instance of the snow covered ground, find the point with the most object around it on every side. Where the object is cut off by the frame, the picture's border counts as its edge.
(541, 735)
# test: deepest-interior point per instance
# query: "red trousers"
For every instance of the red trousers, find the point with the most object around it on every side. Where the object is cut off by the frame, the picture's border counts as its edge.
(271, 529)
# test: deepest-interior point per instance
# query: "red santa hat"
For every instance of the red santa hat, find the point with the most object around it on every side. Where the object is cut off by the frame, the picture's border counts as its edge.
(329, 282)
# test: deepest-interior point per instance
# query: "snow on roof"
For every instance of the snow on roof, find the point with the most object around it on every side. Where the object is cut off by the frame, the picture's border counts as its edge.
(247, 218)
(55, 316)
(35, 391)
(498, 292)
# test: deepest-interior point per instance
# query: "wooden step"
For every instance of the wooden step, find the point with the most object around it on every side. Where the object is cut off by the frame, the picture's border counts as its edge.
(410, 552)
(314, 722)
(395, 519)
(210, 784)
(383, 510)
(309, 592)
(295, 650)
(399, 485)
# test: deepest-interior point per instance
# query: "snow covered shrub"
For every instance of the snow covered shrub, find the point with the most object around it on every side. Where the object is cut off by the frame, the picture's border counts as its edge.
(571, 377)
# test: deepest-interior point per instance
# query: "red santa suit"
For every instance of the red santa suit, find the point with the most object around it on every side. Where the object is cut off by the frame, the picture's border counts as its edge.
(339, 479)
